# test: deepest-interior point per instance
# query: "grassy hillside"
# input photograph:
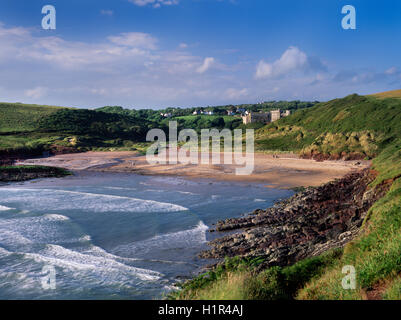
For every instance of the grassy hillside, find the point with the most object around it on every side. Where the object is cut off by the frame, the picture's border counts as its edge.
(32, 129)
(366, 125)
(356, 126)
(15, 117)
(388, 94)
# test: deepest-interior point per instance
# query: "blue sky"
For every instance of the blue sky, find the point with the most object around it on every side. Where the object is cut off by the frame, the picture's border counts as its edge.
(160, 53)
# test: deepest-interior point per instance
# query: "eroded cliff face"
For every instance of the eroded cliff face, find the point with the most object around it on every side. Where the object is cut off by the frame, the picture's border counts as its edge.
(305, 225)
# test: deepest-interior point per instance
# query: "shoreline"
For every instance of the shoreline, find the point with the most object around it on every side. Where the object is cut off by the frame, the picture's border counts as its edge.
(283, 171)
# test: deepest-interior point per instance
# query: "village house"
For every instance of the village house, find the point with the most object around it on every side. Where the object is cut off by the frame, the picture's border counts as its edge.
(275, 115)
(166, 115)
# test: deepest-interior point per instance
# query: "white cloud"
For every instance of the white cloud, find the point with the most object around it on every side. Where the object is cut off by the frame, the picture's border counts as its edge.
(135, 39)
(234, 94)
(391, 71)
(207, 64)
(183, 45)
(154, 3)
(291, 60)
(36, 93)
(132, 69)
(123, 68)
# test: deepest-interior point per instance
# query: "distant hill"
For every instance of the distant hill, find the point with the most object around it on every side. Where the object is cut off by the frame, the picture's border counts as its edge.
(355, 126)
(388, 94)
(351, 127)
(32, 129)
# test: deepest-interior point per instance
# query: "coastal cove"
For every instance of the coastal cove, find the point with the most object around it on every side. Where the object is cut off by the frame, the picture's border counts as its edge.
(286, 170)
(114, 235)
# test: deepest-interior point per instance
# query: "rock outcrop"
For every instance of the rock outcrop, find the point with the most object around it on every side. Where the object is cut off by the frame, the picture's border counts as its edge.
(307, 224)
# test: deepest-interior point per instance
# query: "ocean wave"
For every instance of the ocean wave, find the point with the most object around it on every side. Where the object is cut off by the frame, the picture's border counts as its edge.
(186, 238)
(169, 181)
(47, 228)
(121, 188)
(4, 252)
(54, 217)
(12, 238)
(57, 200)
(189, 193)
(85, 238)
(154, 190)
(102, 267)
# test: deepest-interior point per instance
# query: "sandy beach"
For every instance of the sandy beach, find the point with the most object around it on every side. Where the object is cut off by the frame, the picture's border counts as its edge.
(283, 171)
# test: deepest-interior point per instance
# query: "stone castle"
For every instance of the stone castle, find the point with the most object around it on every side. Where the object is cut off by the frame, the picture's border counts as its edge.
(265, 117)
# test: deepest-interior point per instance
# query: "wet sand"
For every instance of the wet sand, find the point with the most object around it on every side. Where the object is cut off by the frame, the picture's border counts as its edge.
(282, 171)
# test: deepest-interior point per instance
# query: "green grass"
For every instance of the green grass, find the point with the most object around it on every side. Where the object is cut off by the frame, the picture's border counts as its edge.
(388, 94)
(31, 129)
(238, 279)
(393, 290)
(17, 117)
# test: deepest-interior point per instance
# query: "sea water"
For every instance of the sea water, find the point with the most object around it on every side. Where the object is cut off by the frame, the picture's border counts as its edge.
(113, 235)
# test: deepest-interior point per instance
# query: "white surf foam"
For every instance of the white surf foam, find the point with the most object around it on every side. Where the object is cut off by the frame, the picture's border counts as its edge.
(154, 190)
(47, 228)
(102, 267)
(171, 181)
(85, 238)
(65, 200)
(12, 238)
(121, 188)
(55, 217)
(181, 239)
(188, 193)
(4, 208)
(4, 252)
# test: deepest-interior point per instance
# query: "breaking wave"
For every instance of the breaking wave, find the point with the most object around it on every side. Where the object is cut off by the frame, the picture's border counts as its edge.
(102, 266)
(181, 239)
(48, 199)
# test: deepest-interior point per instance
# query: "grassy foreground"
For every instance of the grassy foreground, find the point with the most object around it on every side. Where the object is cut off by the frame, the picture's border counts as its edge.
(369, 127)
